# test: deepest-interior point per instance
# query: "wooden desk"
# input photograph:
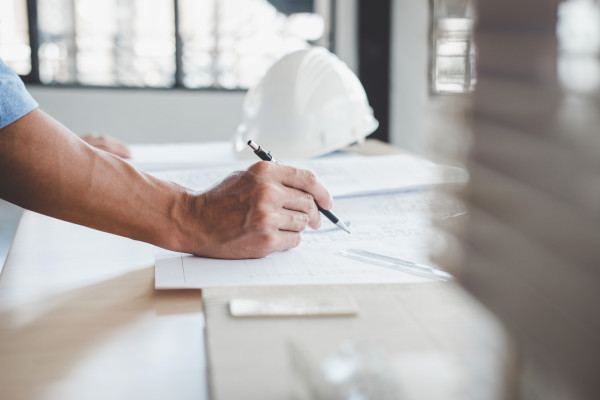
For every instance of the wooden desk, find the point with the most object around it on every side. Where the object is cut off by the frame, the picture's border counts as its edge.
(80, 319)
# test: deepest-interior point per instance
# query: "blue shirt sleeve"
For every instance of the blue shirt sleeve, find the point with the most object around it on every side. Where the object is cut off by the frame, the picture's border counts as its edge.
(15, 100)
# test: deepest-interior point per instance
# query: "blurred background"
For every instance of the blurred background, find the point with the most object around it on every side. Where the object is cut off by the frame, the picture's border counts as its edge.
(510, 89)
(177, 70)
(152, 71)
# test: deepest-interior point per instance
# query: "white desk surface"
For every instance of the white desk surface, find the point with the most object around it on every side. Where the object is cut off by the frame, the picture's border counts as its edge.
(80, 319)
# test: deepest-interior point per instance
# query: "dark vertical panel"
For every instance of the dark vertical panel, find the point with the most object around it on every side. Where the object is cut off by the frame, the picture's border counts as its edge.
(34, 42)
(332, 25)
(374, 23)
(178, 48)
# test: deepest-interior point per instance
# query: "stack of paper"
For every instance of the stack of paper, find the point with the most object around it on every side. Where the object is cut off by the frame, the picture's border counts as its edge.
(376, 195)
(343, 176)
(532, 243)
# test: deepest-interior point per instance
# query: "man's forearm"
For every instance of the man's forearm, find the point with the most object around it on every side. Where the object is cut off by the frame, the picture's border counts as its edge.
(47, 169)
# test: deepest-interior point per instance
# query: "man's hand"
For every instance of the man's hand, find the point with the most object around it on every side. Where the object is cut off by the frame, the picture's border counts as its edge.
(256, 212)
(108, 144)
(46, 168)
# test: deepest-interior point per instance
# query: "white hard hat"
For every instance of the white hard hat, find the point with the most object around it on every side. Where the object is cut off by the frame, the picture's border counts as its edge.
(308, 103)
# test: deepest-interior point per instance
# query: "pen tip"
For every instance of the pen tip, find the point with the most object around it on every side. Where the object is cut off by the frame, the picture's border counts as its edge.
(343, 226)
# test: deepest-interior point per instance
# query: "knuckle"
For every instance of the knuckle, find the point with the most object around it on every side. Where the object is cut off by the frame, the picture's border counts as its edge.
(310, 177)
(309, 200)
(303, 220)
(261, 167)
(260, 220)
(264, 193)
(267, 242)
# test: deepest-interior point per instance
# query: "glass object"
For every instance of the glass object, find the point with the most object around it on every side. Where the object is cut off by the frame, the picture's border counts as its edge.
(354, 371)
(14, 36)
(397, 264)
(454, 54)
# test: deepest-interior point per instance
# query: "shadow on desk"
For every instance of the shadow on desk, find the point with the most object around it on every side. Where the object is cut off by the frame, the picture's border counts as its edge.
(87, 332)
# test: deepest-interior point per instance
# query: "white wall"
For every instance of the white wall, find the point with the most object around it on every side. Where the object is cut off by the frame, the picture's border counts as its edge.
(431, 125)
(138, 116)
(346, 30)
(409, 72)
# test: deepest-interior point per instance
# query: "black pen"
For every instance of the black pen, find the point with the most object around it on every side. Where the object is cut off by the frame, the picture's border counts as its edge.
(267, 156)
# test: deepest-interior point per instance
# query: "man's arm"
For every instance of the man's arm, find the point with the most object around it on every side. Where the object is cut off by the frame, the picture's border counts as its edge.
(46, 168)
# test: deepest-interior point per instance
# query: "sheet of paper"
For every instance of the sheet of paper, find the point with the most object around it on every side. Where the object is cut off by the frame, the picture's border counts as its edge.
(177, 156)
(343, 176)
(167, 156)
(395, 225)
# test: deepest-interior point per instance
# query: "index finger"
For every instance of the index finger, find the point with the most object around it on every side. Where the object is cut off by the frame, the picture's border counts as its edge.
(297, 178)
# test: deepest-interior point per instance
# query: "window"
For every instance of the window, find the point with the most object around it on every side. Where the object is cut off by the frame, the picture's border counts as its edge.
(453, 51)
(578, 34)
(156, 43)
(14, 36)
